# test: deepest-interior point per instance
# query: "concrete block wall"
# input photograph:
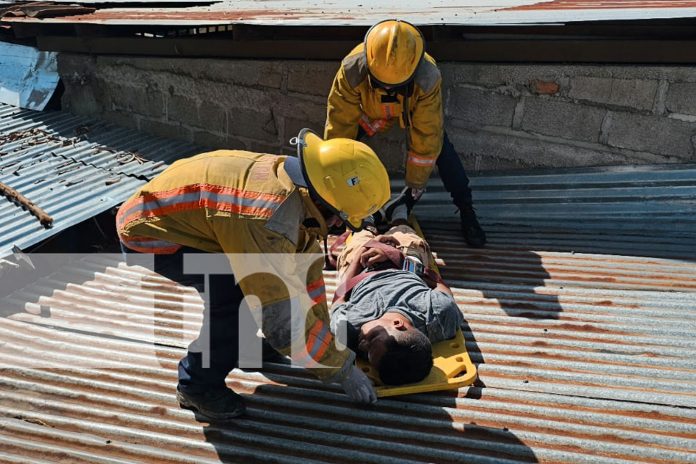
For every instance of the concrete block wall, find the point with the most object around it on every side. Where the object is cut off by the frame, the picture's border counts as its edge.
(498, 116)
(503, 116)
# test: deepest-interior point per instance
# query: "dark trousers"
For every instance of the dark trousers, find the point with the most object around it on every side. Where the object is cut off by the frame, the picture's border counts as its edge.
(219, 335)
(451, 170)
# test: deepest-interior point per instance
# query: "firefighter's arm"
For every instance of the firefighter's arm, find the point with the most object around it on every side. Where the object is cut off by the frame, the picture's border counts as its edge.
(342, 109)
(294, 314)
(425, 138)
(334, 365)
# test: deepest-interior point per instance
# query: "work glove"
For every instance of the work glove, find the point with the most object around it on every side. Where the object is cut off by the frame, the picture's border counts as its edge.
(416, 193)
(358, 386)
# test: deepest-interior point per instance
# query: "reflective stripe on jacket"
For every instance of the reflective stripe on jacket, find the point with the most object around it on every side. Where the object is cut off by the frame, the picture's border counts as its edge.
(353, 101)
(239, 202)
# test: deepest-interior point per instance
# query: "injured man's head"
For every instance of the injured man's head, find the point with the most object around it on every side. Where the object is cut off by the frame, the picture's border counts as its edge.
(390, 315)
(396, 349)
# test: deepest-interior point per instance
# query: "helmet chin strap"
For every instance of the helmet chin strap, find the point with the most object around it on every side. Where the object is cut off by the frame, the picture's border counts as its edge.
(344, 218)
(324, 208)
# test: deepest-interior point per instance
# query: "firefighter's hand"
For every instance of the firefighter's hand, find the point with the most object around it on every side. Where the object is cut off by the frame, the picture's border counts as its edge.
(358, 386)
(416, 193)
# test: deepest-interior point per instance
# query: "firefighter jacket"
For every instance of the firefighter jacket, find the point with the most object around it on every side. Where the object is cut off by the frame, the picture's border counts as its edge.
(238, 202)
(354, 101)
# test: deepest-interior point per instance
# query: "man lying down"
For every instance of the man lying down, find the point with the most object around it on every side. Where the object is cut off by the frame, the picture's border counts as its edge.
(392, 311)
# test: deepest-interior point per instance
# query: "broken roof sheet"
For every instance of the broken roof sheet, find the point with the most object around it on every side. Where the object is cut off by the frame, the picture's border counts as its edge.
(359, 13)
(580, 315)
(71, 167)
(28, 77)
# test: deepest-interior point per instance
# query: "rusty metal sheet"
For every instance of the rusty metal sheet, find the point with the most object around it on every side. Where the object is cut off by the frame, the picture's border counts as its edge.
(44, 10)
(584, 347)
(605, 4)
(354, 13)
(609, 378)
(74, 168)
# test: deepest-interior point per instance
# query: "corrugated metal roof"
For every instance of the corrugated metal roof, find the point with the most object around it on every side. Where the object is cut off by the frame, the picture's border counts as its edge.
(584, 356)
(632, 210)
(606, 4)
(71, 167)
(359, 13)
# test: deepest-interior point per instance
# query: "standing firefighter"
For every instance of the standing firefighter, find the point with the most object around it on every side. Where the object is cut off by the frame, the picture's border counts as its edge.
(237, 202)
(389, 78)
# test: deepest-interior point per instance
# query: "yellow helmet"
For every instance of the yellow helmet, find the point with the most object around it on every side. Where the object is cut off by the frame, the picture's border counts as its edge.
(393, 49)
(345, 175)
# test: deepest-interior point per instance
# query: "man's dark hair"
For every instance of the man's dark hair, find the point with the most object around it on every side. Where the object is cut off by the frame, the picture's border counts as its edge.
(408, 359)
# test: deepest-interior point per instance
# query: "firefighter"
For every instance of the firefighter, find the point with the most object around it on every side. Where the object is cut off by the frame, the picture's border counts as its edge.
(238, 202)
(390, 79)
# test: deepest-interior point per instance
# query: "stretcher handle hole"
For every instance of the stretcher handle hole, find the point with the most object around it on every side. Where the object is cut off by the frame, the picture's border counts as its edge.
(459, 359)
(454, 345)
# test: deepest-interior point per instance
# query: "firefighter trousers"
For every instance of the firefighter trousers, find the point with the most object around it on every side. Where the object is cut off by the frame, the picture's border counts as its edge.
(216, 350)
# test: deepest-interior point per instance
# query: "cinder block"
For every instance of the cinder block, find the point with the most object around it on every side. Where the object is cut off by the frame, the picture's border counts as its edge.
(250, 73)
(251, 124)
(245, 102)
(209, 140)
(497, 75)
(149, 100)
(511, 150)
(293, 127)
(166, 129)
(298, 107)
(134, 99)
(596, 89)
(313, 78)
(561, 119)
(632, 93)
(639, 94)
(81, 100)
(270, 148)
(653, 134)
(212, 117)
(76, 69)
(681, 98)
(183, 110)
(234, 143)
(235, 96)
(480, 108)
(477, 74)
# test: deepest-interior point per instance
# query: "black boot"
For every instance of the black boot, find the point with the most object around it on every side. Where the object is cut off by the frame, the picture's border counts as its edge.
(216, 406)
(471, 229)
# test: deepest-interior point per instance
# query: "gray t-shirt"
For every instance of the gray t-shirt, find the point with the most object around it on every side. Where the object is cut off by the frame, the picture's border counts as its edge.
(432, 312)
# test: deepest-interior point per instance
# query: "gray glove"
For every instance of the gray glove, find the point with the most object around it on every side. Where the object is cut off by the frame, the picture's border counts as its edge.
(416, 193)
(358, 386)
